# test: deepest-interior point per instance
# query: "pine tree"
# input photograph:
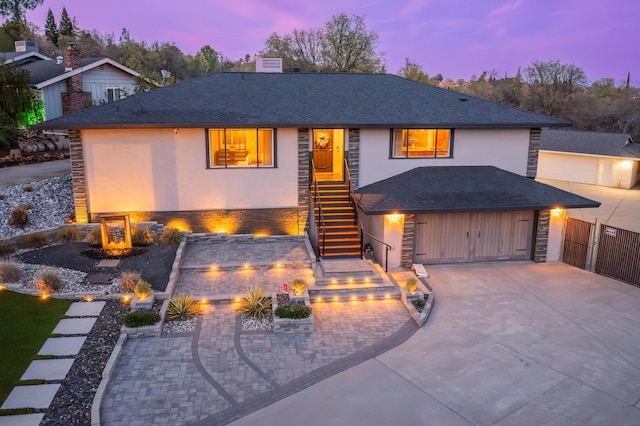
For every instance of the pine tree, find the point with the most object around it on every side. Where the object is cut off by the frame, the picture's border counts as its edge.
(66, 24)
(51, 29)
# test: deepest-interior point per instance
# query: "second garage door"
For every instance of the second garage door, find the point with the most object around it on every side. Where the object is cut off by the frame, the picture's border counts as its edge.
(472, 237)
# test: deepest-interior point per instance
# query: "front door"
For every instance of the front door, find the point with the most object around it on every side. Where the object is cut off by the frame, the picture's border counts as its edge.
(323, 150)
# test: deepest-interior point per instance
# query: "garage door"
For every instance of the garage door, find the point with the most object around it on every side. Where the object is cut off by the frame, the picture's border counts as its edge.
(473, 237)
(570, 168)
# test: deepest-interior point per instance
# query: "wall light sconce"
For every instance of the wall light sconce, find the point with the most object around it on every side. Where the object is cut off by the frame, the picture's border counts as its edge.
(556, 212)
(393, 218)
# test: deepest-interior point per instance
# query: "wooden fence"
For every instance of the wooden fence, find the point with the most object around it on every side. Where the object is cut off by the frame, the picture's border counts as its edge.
(619, 254)
(576, 242)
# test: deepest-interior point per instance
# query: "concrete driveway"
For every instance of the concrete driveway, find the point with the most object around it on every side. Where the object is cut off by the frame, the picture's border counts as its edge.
(508, 344)
(16, 175)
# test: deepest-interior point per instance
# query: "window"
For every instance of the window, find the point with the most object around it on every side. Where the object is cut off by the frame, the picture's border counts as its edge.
(423, 143)
(114, 93)
(241, 148)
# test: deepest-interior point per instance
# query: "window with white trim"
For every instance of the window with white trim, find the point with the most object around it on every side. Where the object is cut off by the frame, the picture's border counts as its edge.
(241, 148)
(421, 143)
(114, 93)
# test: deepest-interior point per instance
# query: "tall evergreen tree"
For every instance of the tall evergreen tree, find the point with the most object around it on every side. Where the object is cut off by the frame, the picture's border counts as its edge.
(51, 29)
(14, 9)
(66, 24)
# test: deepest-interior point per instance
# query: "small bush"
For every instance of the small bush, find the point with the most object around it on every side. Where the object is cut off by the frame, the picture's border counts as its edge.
(170, 237)
(412, 284)
(182, 307)
(94, 237)
(49, 282)
(128, 281)
(141, 318)
(10, 272)
(419, 304)
(6, 248)
(27, 188)
(1, 197)
(255, 304)
(298, 285)
(293, 310)
(68, 234)
(19, 217)
(142, 289)
(141, 237)
(34, 240)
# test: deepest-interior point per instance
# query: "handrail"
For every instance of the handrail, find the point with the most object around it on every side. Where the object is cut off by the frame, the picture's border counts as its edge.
(314, 199)
(387, 247)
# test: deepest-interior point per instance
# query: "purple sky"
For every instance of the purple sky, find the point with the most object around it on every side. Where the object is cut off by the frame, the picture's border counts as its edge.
(457, 38)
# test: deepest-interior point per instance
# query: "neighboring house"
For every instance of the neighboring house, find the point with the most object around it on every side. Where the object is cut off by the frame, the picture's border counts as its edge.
(71, 83)
(246, 153)
(607, 159)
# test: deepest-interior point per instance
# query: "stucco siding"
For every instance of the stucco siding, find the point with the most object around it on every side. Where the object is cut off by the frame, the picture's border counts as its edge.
(165, 170)
(507, 149)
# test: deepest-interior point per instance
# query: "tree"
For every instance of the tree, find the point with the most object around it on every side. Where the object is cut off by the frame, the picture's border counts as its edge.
(16, 99)
(51, 29)
(66, 24)
(348, 46)
(413, 71)
(14, 9)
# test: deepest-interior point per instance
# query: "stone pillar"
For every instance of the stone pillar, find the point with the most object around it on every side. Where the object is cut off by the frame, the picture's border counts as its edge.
(534, 147)
(541, 237)
(78, 177)
(303, 179)
(407, 240)
(353, 157)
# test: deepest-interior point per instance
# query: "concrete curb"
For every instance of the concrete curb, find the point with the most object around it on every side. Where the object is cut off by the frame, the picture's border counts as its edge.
(106, 377)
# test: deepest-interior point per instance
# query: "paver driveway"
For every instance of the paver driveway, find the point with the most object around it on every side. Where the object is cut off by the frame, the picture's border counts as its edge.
(507, 343)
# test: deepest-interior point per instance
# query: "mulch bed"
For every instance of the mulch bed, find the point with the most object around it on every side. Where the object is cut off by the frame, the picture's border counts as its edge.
(153, 262)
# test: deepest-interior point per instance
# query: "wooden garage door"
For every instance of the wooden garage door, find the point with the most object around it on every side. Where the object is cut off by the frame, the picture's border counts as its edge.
(472, 237)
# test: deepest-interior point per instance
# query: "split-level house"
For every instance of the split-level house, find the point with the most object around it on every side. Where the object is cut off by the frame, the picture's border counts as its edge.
(433, 175)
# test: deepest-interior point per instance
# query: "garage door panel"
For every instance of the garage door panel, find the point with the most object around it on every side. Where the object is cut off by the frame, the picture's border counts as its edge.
(457, 237)
(430, 234)
(571, 168)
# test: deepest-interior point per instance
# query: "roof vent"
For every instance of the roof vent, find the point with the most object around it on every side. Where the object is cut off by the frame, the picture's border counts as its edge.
(59, 60)
(268, 64)
(26, 46)
(462, 99)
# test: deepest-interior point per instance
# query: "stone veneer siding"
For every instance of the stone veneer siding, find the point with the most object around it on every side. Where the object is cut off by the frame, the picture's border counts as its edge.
(534, 147)
(541, 236)
(406, 256)
(353, 156)
(78, 178)
(277, 221)
(303, 179)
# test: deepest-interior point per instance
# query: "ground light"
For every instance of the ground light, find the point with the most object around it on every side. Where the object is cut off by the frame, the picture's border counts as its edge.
(126, 298)
(88, 299)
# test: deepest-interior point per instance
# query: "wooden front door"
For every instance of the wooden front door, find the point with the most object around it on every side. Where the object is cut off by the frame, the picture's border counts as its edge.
(323, 150)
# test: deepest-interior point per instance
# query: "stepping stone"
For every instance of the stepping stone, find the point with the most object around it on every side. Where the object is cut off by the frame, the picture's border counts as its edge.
(98, 278)
(85, 309)
(74, 326)
(48, 369)
(36, 396)
(60, 346)
(108, 263)
(22, 420)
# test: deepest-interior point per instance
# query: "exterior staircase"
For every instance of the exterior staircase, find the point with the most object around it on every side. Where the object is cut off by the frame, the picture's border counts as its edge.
(341, 236)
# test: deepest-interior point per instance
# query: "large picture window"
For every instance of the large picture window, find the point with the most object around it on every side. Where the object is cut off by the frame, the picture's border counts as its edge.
(241, 148)
(421, 143)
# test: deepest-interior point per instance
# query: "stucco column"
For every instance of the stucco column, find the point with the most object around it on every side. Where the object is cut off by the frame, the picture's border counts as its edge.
(556, 234)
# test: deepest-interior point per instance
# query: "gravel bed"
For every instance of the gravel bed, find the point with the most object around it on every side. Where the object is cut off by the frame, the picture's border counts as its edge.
(73, 401)
(252, 324)
(52, 201)
(174, 327)
(73, 281)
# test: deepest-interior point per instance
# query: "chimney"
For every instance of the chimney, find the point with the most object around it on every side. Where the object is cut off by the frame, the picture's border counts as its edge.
(71, 58)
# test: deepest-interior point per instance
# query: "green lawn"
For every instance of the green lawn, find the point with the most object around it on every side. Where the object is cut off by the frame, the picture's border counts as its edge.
(25, 323)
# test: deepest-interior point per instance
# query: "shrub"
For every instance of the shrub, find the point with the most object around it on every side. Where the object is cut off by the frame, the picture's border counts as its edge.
(182, 307)
(142, 289)
(49, 282)
(128, 281)
(6, 248)
(170, 236)
(255, 304)
(412, 284)
(68, 234)
(419, 304)
(94, 237)
(27, 188)
(1, 197)
(298, 285)
(10, 272)
(141, 237)
(293, 310)
(19, 217)
(141, 318)
(34, 240)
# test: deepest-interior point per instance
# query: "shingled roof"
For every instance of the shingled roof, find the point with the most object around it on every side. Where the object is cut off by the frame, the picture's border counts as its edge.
(302, 100)
(447, 189)
(41, 71)
(592, 143)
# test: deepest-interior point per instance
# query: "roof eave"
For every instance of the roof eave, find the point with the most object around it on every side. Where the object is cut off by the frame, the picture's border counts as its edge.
(592, 204)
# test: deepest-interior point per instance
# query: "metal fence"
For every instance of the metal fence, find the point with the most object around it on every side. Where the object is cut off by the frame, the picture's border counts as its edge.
(619, 254)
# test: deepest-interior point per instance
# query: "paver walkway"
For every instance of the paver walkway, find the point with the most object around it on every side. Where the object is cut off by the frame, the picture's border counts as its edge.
(81, 317)
(221, 373)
